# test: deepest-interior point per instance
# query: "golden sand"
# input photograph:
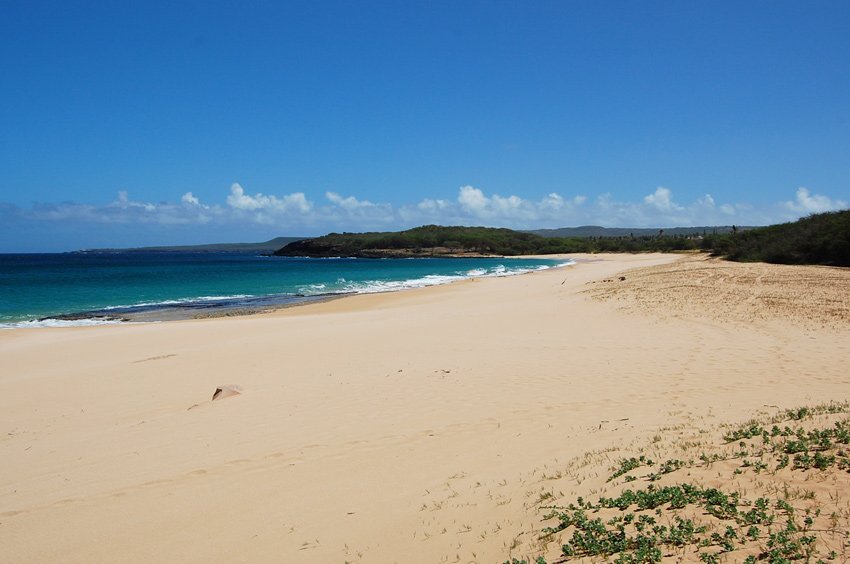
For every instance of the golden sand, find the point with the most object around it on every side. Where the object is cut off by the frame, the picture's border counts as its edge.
(418, 426)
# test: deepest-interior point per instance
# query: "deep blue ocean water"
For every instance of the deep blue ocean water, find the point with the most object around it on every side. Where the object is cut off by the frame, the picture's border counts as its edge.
(35, 289)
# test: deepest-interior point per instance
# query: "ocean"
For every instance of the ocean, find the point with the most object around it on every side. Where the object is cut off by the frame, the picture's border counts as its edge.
(44, 290)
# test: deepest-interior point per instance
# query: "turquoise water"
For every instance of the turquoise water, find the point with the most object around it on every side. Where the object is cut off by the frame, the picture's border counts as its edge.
(38, 289)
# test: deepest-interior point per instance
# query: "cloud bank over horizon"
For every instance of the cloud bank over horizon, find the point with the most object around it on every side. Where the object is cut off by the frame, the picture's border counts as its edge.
(296, 214)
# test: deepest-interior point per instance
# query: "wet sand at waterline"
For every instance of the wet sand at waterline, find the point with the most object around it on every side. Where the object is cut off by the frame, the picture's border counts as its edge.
(415, 426)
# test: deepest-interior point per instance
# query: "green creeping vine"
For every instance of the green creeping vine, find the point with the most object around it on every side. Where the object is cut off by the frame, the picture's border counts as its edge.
(645, 525)
(640, 537)
(629, 464)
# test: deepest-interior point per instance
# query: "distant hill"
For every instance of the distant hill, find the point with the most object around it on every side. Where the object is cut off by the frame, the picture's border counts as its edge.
(429, 240)
(597, 231)
(435, 240)
(817, 239)
(264, 247)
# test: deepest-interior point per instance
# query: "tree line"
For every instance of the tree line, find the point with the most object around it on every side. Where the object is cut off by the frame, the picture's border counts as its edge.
(817, 239)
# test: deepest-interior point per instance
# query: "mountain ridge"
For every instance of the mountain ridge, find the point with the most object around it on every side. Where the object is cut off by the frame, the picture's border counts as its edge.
(262, 247)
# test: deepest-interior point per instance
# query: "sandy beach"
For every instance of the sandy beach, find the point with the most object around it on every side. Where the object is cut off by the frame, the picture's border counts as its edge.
(416, 426)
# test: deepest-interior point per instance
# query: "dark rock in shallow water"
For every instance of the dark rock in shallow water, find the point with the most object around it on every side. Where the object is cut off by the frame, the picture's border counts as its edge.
(84, 315)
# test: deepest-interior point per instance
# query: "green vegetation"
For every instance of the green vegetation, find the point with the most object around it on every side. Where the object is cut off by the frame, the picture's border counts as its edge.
(420, 241)
(775, 523)
(629, 464)
(813, 448)
(614, 232)
(731, 523)
(818, 239)
(434, 240)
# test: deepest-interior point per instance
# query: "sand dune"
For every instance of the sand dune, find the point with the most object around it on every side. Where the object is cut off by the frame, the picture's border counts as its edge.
(813, 297)
(419, 426)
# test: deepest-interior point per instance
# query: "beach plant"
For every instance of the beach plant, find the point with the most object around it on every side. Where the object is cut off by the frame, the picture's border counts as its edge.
(784, 523)
(746, 432)
(665, 468)
(628, 464)
(639, 537)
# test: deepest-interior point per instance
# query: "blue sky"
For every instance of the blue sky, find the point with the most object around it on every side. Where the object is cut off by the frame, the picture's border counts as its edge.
(146, 123)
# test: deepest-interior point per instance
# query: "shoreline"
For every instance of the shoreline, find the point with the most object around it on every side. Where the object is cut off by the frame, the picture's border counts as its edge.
(167, 313)
(424, 425)
(201, 308)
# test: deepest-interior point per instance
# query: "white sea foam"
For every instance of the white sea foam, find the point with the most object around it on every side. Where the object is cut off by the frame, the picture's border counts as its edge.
(201, 299)
(311, 289)
(376, 286)
(38, 323)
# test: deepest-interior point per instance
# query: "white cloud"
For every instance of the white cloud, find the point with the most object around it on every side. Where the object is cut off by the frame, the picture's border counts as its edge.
(508, 205)
(553, 201)
(472, 200)
(239, 200)
(659, 209)
(428, 205)
(706, 201)
(510, 211)
(298, 201)
(65, 211)
(124, 210)
(352, 213)
(294, 213)
(190, 200)
(351, 203)
(662, 199)
(124, 202)
(806, 203)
